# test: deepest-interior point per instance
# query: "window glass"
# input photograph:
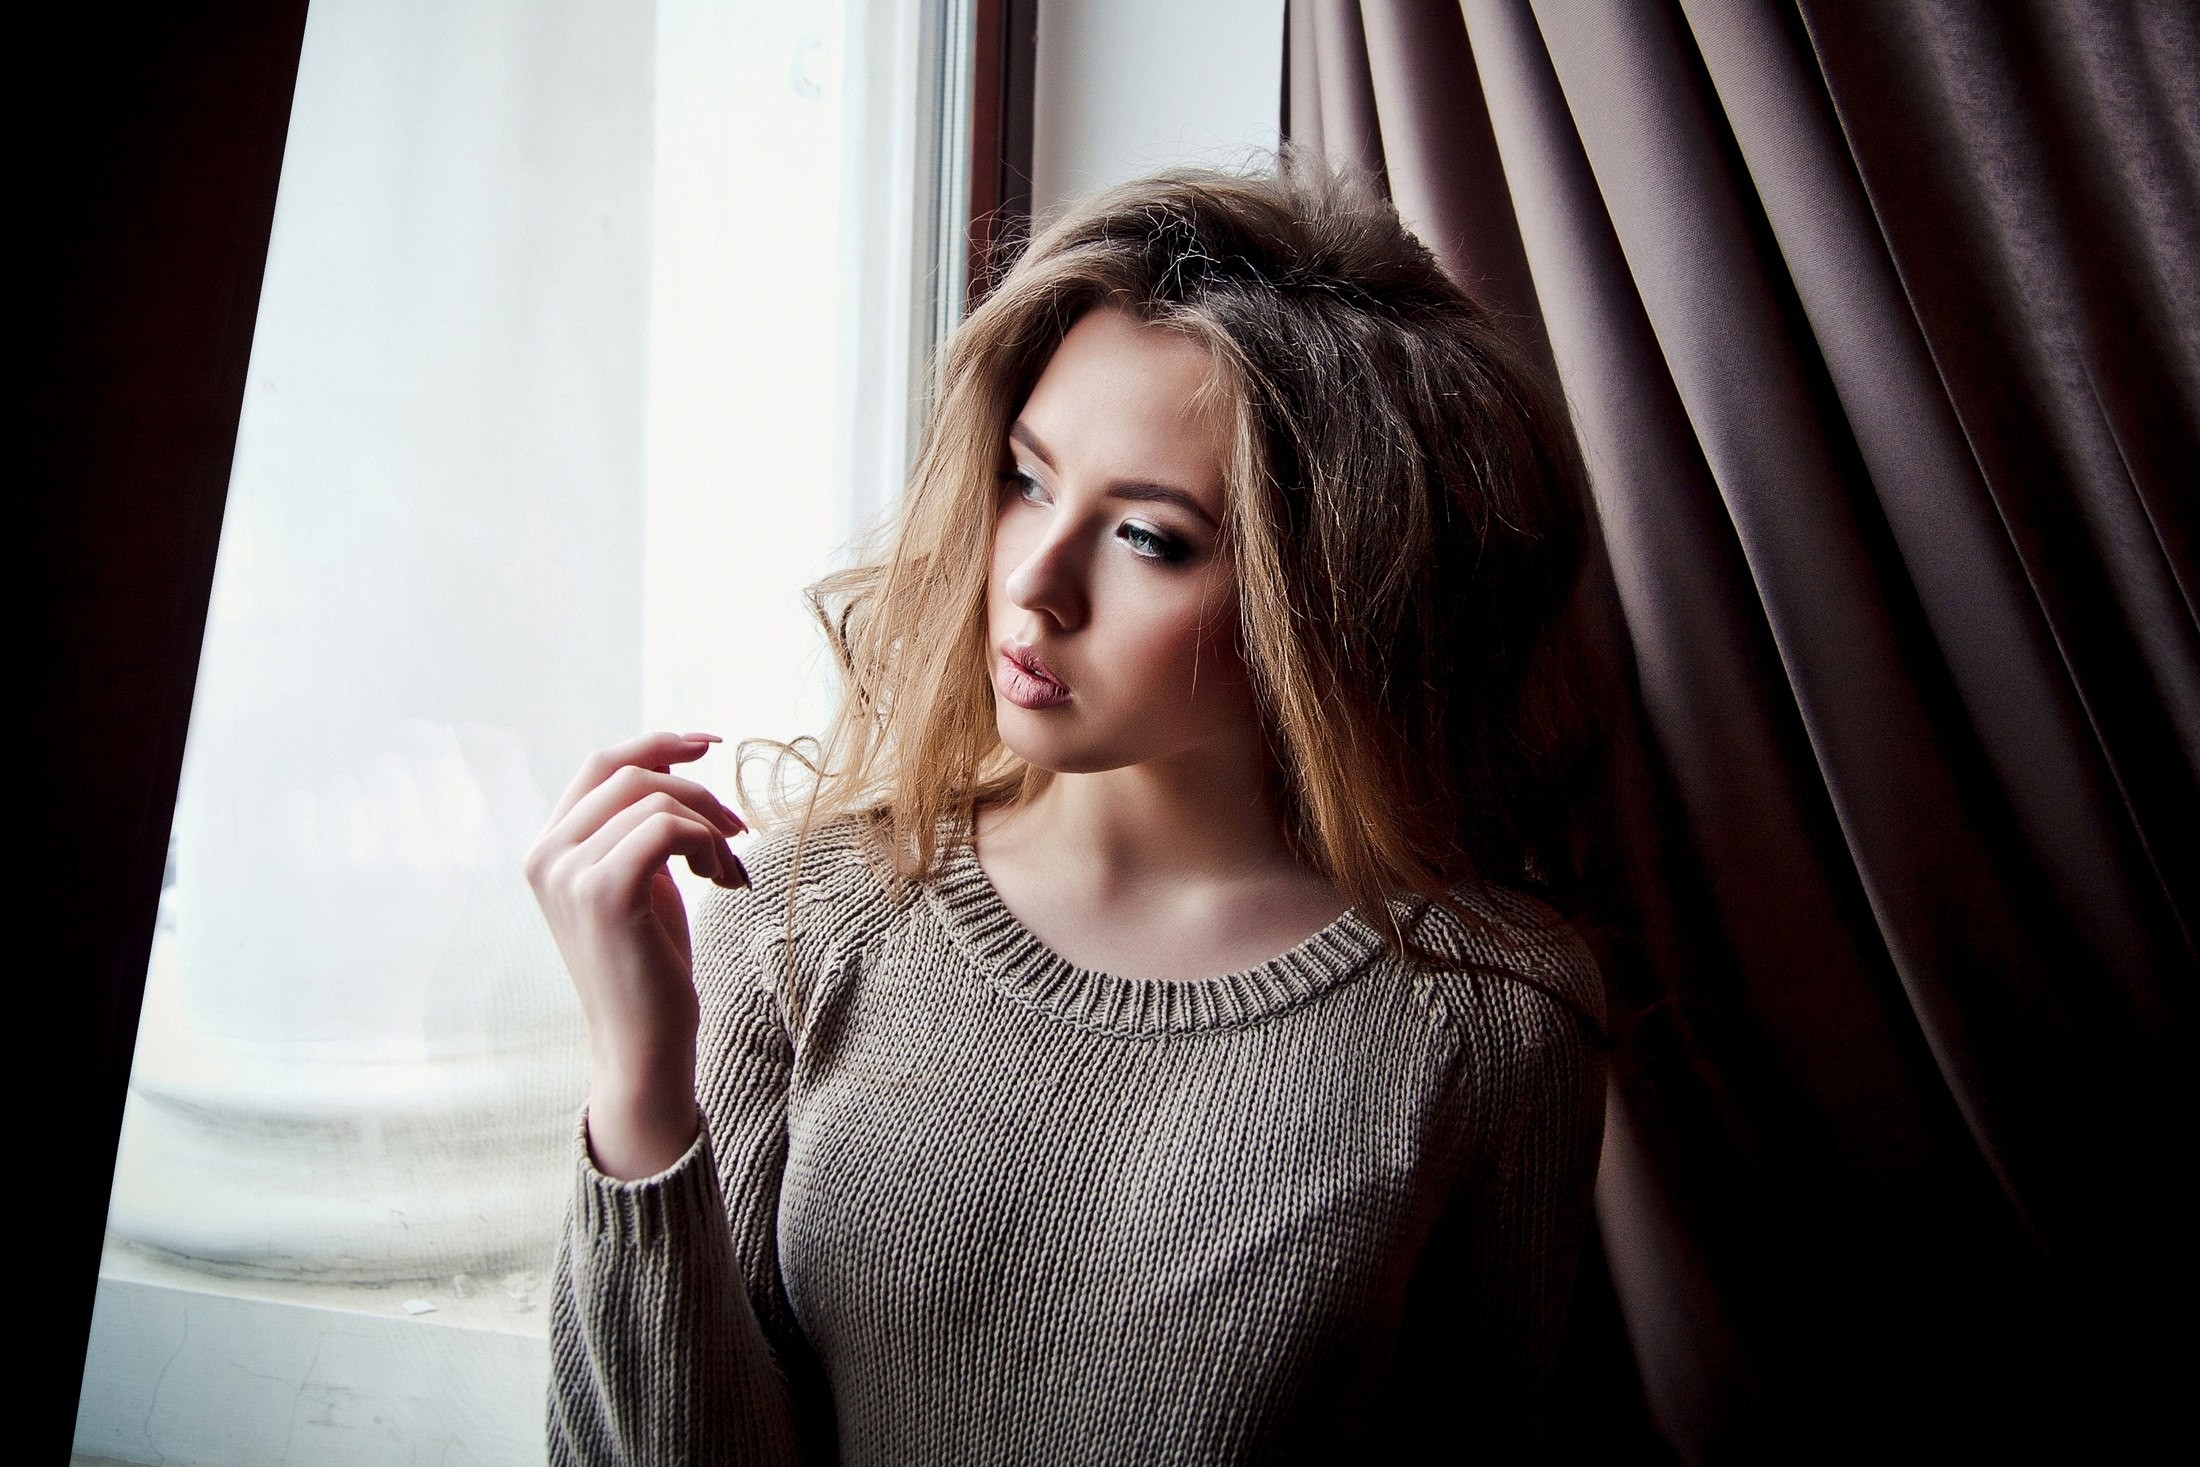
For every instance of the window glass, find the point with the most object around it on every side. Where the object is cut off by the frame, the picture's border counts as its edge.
(590, 333)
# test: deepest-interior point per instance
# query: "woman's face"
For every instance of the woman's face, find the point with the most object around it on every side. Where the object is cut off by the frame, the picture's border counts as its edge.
(1111, 609)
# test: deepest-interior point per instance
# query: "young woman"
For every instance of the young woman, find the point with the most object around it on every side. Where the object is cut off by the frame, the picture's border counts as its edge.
(1144, 1048)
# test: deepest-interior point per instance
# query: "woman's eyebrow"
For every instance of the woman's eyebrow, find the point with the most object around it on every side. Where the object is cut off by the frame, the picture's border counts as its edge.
(1130, 489)
(1162, 494)
(1018, 433)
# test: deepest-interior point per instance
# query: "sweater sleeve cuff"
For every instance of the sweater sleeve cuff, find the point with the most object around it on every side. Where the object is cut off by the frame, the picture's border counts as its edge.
(650, 1211)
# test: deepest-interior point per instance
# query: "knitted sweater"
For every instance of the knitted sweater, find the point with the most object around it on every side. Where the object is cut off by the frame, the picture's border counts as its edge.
(956, 1200)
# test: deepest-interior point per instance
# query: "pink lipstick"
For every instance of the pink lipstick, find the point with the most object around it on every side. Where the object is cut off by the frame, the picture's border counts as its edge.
(1024, 680)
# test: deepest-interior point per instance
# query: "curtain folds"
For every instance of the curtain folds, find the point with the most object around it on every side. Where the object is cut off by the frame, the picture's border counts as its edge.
(1880, 324)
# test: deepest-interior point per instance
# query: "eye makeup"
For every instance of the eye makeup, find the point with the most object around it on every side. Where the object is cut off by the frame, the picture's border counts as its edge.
(1153, 544)
(1023, 484)
(1148, 542)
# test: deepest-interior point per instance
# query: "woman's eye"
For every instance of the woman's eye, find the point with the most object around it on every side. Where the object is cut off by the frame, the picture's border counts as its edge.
(1023, 486)
(1152, 544)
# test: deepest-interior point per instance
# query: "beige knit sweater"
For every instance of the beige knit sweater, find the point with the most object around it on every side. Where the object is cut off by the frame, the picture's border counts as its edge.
(984, 1206)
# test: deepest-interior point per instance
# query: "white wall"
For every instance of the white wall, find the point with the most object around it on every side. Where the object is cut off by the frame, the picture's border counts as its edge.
(1127, 87)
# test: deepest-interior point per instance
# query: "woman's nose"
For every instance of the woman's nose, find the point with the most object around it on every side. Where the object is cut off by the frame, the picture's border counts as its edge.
(1050, 580)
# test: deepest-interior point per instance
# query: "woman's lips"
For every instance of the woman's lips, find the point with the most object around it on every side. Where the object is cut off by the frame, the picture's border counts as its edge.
(1024, 680)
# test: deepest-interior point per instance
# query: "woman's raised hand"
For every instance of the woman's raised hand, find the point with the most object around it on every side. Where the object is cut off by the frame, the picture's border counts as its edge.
(600, 872)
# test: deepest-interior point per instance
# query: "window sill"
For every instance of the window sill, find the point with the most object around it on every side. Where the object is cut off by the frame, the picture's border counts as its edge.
(186, 1368)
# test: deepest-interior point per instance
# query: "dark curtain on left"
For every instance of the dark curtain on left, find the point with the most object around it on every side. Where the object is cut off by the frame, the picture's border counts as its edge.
(150, 141)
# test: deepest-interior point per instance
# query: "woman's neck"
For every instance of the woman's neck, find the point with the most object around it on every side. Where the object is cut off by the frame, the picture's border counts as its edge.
(1189, 818)
(1175, 869)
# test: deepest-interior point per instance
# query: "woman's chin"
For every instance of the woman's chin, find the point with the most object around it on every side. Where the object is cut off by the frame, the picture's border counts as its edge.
(1046, 739)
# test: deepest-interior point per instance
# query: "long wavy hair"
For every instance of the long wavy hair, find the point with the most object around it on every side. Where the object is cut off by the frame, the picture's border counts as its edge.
(1404, 516)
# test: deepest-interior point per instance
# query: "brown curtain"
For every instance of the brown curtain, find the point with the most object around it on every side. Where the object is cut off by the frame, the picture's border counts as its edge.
(146, 166)
(1880, 323)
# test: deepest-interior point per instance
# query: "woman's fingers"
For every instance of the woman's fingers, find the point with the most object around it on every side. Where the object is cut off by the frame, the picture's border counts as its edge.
(654, 839)
(621, 782)
(650, 751)
(631, 783)
(715, 860)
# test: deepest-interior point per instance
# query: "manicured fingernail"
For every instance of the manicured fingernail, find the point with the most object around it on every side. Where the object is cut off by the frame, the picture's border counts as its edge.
(699, 738)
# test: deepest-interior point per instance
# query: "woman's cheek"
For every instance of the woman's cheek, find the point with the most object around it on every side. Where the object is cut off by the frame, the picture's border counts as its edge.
(1181, 655)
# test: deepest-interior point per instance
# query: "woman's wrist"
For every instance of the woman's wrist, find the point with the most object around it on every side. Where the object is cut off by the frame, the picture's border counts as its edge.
(641, 1121)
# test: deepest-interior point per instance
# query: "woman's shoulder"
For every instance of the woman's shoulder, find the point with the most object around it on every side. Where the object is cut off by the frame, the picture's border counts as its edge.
(838, 855)
(820, 888)
(1503, 954)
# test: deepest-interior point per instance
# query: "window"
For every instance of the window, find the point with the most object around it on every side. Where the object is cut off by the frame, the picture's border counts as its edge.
(590, 334)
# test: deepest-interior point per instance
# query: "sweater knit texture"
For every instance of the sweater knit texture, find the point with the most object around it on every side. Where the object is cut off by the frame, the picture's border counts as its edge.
(958, 1200)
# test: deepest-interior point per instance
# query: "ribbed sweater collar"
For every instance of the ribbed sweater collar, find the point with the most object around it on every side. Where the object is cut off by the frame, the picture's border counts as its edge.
(1028, 971)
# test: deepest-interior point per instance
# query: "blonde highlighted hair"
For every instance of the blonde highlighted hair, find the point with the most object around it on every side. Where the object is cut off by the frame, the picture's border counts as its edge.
(1404, 518)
